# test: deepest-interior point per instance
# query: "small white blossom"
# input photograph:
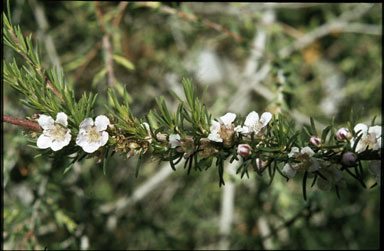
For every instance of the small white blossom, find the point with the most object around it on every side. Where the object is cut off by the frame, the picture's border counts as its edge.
(174, 140)
(371, 137)
(253, 124)
(93, 135)
(216, 127)
(306, 161)
(342, 134)
(54, 135)
(243, 149)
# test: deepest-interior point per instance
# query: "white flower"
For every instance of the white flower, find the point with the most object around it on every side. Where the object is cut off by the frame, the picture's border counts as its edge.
(253, 124)
(371, 137)
(306, 161)
(343, 133)
(243, 149)
(216, 127)
(92, 135)
(54, 135)
(174, 140)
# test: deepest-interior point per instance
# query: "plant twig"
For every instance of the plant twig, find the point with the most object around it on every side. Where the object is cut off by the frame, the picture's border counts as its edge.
(121, 7)
(106, 45)
(24, 123)
(203, 21)
(338, 24)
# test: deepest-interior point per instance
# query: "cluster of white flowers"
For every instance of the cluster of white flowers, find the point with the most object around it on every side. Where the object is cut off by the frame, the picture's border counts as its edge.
(370, 137)
(252, 124)
(55, 135)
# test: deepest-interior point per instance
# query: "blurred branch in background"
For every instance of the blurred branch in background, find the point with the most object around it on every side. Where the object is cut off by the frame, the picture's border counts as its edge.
(339, 24)
(106, 44)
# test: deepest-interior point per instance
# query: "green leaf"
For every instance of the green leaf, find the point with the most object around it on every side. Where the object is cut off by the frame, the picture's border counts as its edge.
(313, 127)
(68, 168)
(124, 62)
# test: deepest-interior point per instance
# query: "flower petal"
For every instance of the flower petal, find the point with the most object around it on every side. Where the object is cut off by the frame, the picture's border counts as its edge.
(215, 137)
(360, 146)
(243, 130)
(228, 118)
(45, 121)
(62, 118)
(90, 148)
(81, 139)
(315, 166)
(375, 130)
(308, 151)
(294, 150)
(215, 126)
(43, 142)
(104, 138)
(289, 171)
(86, 124)
(58, 145)
(265, 118)
(252, 119)
(102, 122)
(174, 140)
(361, 127)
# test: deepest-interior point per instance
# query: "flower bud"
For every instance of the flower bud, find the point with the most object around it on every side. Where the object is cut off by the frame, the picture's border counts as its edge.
(244, 150)
(260, 164)
(342, 134)
(314, 141)
(348, 159)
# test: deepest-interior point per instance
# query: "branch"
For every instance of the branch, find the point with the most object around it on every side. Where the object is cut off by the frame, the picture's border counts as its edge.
(24, 123)
(338, 24)
(106, 45)
(226, 215)
(121, 7)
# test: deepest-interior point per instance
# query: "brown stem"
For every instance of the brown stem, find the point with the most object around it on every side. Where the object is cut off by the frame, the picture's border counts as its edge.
(24, 123)
(119, 15)
(55, 91)
(99, 16)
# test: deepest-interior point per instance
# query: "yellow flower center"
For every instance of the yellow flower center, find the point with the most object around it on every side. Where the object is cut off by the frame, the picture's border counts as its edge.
(94, 134)
(58, 133)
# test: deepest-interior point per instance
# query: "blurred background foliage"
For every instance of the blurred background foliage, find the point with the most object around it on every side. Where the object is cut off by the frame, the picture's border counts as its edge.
(339, 69)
